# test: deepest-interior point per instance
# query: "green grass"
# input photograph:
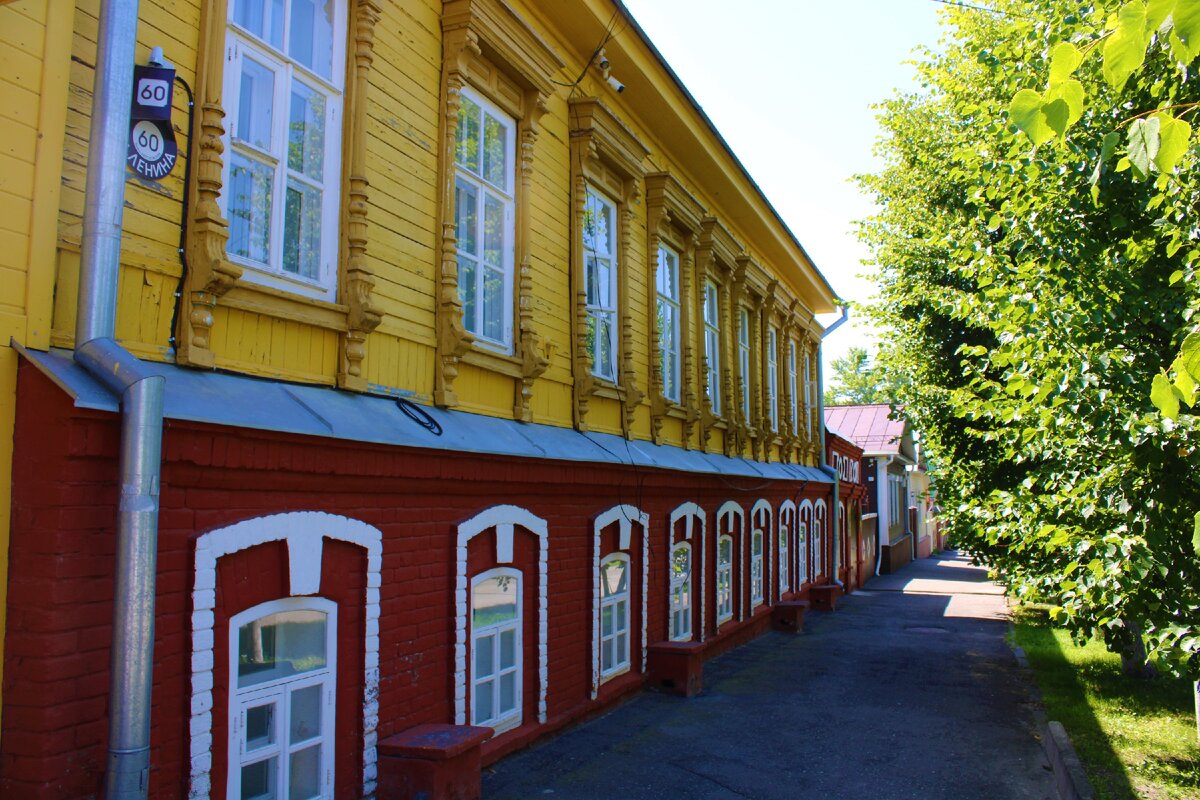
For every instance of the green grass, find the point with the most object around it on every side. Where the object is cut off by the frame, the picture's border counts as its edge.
(1136, 738)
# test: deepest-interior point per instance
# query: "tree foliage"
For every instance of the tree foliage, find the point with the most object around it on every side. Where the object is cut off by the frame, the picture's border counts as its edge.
(857, 381)
(1033, 289)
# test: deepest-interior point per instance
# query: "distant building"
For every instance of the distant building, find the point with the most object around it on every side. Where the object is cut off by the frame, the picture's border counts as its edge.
(890, 456)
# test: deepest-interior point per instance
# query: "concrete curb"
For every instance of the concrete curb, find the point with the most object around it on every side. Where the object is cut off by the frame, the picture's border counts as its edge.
(1069, 776)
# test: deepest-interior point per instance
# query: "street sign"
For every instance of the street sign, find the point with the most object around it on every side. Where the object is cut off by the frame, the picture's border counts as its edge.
(152, 150)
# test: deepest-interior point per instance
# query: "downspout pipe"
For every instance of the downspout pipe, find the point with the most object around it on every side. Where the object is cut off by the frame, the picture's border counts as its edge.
(823, 461)
(128, 772)
(880, 530)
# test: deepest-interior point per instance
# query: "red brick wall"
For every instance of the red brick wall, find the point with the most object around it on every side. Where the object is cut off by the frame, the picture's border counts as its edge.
(56, 659)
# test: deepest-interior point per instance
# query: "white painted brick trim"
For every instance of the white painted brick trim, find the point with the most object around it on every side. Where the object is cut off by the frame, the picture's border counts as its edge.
(500, 517)
(626, 515)
(303, 531)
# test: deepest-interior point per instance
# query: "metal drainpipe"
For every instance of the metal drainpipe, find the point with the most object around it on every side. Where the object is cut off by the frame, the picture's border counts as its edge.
(823, 461)
(141, 393)
(880, 531)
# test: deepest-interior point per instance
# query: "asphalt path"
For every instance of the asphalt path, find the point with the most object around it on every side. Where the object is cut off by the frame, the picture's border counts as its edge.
(908, 690)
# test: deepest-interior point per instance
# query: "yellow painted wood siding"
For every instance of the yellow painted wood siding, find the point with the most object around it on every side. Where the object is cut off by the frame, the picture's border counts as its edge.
(402, 145)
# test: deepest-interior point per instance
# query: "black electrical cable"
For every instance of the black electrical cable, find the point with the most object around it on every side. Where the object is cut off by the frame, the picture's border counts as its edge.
(187, 185)
(419, 416)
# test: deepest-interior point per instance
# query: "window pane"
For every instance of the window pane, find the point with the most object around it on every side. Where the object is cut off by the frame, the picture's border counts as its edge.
(592, 280)
(493, 231)
(495, 156)
(311, 40)
(606, 621)
(306, 132)
(606, 655)
(467, 135)
(484, 700)
(681, 559)
(258, 780)
(494, 600)
(250, 209)
(726, 550)
(485, 656)
(466, 291)
(615, 577)
(508, 692)
(622, 647)
(263, 18)
(508, 649)
(302, 230)
(466, 204)
(260, 726)
(305, 774)
(493, 304)
(306, 714)
(604, 349)
(756, 544)
(256, 102)
(280, 645)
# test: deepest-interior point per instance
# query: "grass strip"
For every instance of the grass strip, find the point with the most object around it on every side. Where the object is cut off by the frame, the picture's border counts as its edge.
(1136, 738)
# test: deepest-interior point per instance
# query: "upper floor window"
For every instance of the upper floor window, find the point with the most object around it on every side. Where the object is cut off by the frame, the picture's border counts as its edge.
(792, 384)
(808, 394)
(283, 89)
(484, 218)
(724, 578)
(712, 345)
(496, 649)
(614, 615)
(600, 280)
(744, 359)
(667, 316)
(773, 378)
(756, 568)
(281, 709)
(681, 592)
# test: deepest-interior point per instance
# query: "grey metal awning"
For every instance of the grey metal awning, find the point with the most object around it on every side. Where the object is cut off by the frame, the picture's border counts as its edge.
(240, 401)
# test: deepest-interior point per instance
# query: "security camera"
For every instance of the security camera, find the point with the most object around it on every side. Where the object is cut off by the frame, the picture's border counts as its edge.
(603, 63)
(616, 85)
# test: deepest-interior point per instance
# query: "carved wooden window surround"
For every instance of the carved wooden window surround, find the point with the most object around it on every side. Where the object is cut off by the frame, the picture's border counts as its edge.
(212, 277)
(606, 156)
(487, 47)
(749, 292)
(716, 259)
(673, 220)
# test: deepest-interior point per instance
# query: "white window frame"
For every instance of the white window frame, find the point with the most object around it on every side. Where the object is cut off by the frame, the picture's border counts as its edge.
(744, 359)
(757, 562)
(240, 44)
(513, 718)
(803, 541)
(785, 576)
(596, 310)
(669, 353)
(773, 377)
(280, 691)
(681, 610)
(712, 344)
(506, 195)
(725, 579)
(792, 385)
(621, 622)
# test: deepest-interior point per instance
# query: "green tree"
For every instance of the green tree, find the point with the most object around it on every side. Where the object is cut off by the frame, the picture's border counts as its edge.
(1029, 287)
(856, 381)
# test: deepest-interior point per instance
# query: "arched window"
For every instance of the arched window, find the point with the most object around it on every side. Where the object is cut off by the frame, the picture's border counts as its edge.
(787, 524)
(282, 677)
(803, 537)
(496, 649)
(820, 557)
(756, 568)
(614, 615)
(681, 592)
(724, 579)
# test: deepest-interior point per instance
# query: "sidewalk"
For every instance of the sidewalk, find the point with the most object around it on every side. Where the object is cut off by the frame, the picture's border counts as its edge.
(907, 691)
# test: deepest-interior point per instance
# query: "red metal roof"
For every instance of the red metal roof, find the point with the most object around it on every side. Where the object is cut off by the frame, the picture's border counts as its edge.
(868, 426)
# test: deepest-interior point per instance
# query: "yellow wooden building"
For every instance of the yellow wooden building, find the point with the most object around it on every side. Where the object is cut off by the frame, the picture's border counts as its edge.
(511, 209)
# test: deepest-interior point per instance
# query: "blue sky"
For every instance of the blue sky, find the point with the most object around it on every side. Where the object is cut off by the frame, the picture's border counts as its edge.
(790, 84)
